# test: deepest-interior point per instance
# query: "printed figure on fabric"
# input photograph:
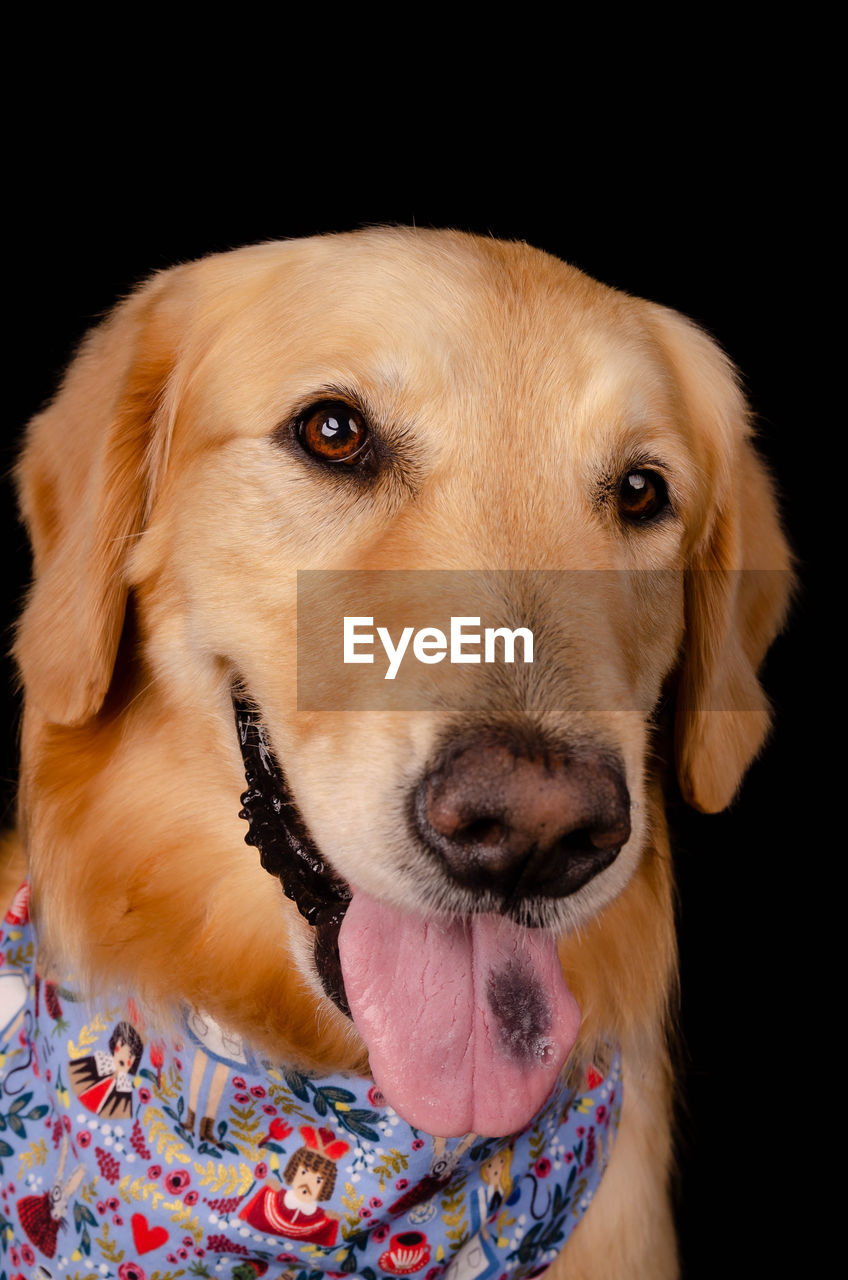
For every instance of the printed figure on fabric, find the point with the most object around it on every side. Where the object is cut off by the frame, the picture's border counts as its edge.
(41, 1216)
(311, 1177)
(221, 1053)
(480, 1257)
(103, 1081)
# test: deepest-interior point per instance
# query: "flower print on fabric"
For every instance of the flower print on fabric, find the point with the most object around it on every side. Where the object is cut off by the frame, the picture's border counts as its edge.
(126, 1154)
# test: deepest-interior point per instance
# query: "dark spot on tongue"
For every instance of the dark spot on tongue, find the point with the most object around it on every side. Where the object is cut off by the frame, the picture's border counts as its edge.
(521, 1011)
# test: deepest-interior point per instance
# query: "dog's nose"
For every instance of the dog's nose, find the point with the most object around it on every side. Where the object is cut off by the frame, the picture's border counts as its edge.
(522, 822)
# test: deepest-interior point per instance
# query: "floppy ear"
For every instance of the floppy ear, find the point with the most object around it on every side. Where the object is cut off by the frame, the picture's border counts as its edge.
(738, 580)
(84, 484)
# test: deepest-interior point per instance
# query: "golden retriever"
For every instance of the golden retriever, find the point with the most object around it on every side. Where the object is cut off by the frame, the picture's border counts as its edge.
(383, 401)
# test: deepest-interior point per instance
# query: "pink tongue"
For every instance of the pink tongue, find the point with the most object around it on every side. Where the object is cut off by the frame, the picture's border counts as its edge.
(467, 1024)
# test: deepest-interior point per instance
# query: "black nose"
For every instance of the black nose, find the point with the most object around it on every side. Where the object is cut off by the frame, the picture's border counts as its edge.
(523, 822)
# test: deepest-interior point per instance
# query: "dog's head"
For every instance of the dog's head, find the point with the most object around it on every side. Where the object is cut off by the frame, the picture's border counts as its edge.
(450, 424)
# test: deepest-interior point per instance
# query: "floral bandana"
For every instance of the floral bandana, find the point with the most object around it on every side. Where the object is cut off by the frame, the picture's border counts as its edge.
(130, 1157)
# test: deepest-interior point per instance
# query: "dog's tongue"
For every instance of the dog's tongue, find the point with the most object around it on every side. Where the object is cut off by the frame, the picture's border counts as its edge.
(467, 1024)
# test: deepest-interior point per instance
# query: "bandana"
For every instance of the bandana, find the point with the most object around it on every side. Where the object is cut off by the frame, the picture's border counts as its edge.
(131, 1156)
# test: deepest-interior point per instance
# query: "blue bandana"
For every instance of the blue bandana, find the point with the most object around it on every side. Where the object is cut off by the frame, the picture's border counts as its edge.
(128, 1156)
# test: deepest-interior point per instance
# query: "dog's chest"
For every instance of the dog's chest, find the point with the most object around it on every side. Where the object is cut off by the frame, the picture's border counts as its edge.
(126, 1152)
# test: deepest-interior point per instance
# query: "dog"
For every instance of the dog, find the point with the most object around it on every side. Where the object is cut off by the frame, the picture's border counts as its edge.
(464, 989)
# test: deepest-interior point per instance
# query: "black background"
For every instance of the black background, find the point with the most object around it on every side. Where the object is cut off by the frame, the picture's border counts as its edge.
(726, 229)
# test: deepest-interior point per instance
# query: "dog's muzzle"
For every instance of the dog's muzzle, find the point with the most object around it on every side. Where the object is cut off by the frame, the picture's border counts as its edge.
(510, 822)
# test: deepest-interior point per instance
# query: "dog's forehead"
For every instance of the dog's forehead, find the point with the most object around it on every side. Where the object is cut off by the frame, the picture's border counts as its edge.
(433, 319)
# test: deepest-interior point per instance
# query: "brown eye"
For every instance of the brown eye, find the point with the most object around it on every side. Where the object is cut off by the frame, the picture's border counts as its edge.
(642, 495)
(334, 432)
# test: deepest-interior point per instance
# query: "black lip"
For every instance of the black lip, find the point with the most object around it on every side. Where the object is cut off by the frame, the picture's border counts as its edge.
(287, 850)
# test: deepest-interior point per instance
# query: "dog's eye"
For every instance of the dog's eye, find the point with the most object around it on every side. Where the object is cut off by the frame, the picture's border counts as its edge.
(642, 495)
(334, 432)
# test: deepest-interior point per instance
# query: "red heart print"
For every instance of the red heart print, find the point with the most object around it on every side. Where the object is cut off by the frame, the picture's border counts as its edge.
(146, 1237)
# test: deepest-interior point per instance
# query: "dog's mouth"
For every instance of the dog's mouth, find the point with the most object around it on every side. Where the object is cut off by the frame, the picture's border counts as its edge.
(467, 1022)
(287, 850)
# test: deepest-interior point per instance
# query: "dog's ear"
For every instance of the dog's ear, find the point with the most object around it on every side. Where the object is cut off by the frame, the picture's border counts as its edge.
(85, 482)
(738, 578)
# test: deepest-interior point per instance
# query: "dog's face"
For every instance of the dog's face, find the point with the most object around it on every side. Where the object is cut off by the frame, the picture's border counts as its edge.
(400, 401)
(484, 438)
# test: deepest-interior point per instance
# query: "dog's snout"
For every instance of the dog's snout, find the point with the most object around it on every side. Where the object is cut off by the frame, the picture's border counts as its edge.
(520, 822)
